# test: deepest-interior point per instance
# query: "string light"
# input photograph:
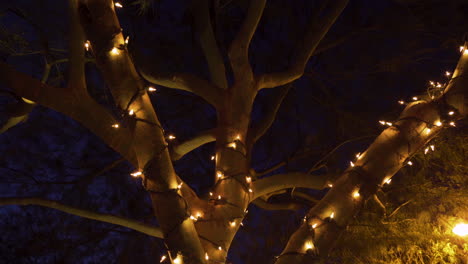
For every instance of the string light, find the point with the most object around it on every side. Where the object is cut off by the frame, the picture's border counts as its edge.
(193, 218)
(309, 245)
(355, 195)
(206, 256)
(115, 51)
(432, 147)
(180, 186)
(151, 89)
(382, 122)
(462, 48)
(431, 83)
(238, 137)
(415, 98)
(220, 248)
(219, 197)
(438, 123)
(388, 181)
(232, 145)
(330, 185)
(232, 223)
(211, 194)
(314, 225)
(163, 258)
(428, 130)
(401, 102)
(127, 39)
(117, 4)
(212, 157)
(332, 215)
(171, 137)
(451, 113)
(447, 73)
(452, 123)
(410, 163)
(426, 150)
(358, 155)
(388, 123)
(248, 179)
(178, 259)
(250, 190)
(219, 174)
(131, 112)
(136, 174)
(460, 229)
(439, 85)
(87, 44)
(115, 125)
(198, 215)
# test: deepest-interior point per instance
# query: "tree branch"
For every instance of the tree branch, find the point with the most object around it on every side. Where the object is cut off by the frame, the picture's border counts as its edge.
(287, 180)
(239, 50)
(178, 151)
(186, 82)
(208, 43)
(276, 206)
(107, 218)
(317, 29)
(269, 118)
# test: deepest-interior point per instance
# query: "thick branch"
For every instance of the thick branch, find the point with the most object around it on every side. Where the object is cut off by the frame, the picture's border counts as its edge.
(208, 43)
(107, 218)
(317, 29)
(187, 82)
(178, 151)
(288, 180)
(239, 49)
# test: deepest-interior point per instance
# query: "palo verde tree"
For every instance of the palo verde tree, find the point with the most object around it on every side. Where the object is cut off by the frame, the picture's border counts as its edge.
(199, 227)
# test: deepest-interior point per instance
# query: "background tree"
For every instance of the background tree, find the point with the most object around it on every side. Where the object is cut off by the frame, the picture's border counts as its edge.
(114, 89)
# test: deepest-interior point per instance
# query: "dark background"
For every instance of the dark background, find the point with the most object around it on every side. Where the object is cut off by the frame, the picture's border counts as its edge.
(377, 53)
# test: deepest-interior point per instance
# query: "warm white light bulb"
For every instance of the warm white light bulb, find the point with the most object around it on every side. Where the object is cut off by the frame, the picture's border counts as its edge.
(401, 102)
(410, 163)
(127, 39)
(428, 130)
(432, 147)
(250, 190)
(220, 248)
(219, 174)
(388, 123)
(314, 225)
(117, 4)
(178, 259)
(163, 258)
(115, 51)
(330, 185)
(131, 112)
(87, 45)
(438, 123)
(232, 145)
(426, 150)
(356, 194)
(206, 256)
(351, 163)
(171, 137)
(151, 89)
(248, 179)
(451, 112)
(431, 83)
(460, 229)
(232, 223)
(415, 98)
(452, 124)
(309, 245)
(180, 186)
(332, 215)
(382, 122)
(447, 73)
(136, 174)
(462, 48)
(115, 125)
(388, 181)
(219, 197)
(212, 157)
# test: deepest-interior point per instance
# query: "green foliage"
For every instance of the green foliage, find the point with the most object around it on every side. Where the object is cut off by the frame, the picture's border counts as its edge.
(420, 232)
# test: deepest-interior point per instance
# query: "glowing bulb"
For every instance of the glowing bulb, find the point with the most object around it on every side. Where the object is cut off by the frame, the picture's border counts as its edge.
(163, 258)
(358, 155)
(115, 51)
(178, 259)
(232, 145)
(179, 186)
(219, 174)
(212, 157)
(447, 73)
(460, 229)
(351, 163)
(127, 39)
(462, 48)
(415, 98)
(309, 245)
(232, 223)
(198, 215)
(410, 163)
(220, 248)
(356, 194)
(432, 147)
(332, 215)
(439, 85)
(401, 102)
(250, 190)
(388, 181)
(87, 45)
(431, 83)
(115, 125)
(136, 174)
(119, 5)
(206, 256)
(330, 185)
(151, 89)
(131, 112)
(452, 124)
(211, 194)
(426, 150)
(314, 225)
(465, 52)
(193, 218)
(451, 112)
(171, 137)
(238, 137)
(382, 122)
(438, 123)
(248, 179)
(219, 197)
(388, 123)
(428, 130)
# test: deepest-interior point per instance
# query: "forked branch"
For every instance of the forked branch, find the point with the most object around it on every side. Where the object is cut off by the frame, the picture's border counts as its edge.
(317, 29)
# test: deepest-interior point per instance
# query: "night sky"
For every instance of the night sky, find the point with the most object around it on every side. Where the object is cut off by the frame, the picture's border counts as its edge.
(377, 53)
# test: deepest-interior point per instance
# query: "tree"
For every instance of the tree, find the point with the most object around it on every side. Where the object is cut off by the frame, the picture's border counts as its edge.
(199, 226)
